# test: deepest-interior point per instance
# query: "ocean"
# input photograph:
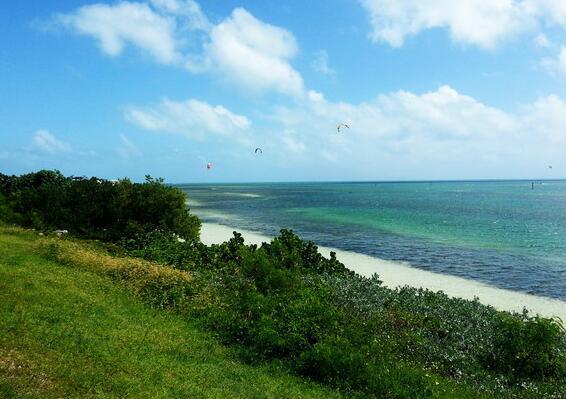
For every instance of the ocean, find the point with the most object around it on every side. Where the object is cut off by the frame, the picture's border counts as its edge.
(508, 234)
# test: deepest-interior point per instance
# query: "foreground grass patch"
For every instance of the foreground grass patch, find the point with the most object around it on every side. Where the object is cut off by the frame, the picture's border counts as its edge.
(276, 310)
(67, 332)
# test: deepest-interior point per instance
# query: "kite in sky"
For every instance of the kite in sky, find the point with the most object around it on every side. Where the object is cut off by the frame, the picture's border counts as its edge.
(340, 126)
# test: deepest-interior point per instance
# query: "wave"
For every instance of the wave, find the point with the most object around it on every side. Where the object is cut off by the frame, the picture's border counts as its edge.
(246, 195)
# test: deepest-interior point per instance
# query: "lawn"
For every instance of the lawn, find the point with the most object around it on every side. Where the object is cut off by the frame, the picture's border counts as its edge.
(66, 332)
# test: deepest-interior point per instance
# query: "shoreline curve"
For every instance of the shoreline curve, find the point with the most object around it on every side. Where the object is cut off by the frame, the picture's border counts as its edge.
(395, 274)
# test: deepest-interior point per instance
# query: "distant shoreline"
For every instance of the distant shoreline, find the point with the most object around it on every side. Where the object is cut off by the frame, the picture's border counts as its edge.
(282, 182)
(394, 274)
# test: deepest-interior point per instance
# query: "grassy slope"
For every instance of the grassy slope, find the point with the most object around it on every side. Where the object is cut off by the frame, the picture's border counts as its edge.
(69, 333)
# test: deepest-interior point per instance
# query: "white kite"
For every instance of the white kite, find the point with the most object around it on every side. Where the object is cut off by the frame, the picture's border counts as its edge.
(340, 126)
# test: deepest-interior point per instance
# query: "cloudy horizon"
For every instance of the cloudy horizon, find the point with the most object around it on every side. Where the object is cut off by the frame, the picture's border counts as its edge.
(443, 91)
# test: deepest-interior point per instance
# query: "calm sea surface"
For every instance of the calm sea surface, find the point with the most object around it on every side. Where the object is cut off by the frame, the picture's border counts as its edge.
(503, 233)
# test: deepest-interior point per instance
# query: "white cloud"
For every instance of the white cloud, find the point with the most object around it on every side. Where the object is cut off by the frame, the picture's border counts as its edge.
(189, 9)
(315, 96)
(556, 65)
(485, 23)
(401, 132)
(245, 50)
(547, 118)
(480, 22)
(47, 142)
(443, 114)
(115, 26)
(554, 11)
(438, 134)
(320, 64)
(255, 54)
(191, 118)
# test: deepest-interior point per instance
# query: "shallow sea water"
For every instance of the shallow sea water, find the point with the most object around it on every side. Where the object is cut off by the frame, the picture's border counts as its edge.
(503, 233)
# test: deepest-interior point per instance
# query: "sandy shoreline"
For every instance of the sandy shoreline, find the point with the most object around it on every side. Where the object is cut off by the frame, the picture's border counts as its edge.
(396, 274)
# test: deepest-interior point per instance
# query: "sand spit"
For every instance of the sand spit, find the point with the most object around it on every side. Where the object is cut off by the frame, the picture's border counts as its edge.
(395, 274)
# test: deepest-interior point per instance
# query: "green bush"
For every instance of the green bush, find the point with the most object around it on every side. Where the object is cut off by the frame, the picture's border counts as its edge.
(163, 247)
(266, 274)
(96, 208)
(293, 253)
(347, 365)
(291, 324)
(6, 212)
(527, 348)
(285, 301)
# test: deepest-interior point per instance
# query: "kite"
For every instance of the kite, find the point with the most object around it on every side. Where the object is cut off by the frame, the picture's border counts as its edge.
(340, 126)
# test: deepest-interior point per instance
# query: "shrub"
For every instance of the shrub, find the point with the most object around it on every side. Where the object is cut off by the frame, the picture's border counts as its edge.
(163, 247)
(527, 348)
(283, 300)
(291, 323)
(96, 208)
(293, 253)
(343, 364)
(6, 211)
(266, 273)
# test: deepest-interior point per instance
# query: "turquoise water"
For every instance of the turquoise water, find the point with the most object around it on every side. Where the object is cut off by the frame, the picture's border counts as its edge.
(504, 233)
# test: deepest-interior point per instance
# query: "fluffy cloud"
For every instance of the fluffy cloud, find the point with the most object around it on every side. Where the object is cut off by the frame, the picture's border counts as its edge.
(115, 26)
(547, 117)
(255, 53)
(553, 11)
(155, 27)
(394, 135)
(400, 133)
(191, 118)
(47, 142)
(250, 52)
(443, 114)
(481, 22)
(484, 23)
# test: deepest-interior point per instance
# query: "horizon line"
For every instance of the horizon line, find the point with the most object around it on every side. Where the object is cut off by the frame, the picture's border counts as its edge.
(479, 180)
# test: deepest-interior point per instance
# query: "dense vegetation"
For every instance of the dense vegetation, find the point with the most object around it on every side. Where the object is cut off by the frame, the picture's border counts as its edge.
(285, 302)
(95, 208)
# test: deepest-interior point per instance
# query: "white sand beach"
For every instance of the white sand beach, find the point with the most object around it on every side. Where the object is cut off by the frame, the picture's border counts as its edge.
(395, 274)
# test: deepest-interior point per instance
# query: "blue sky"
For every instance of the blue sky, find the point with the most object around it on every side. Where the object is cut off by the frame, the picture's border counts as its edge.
(431, 90)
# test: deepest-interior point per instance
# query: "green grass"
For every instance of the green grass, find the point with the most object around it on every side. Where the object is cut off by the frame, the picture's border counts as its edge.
(66, 332)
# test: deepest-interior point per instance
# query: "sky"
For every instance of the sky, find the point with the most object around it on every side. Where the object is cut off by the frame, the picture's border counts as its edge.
(430, 90)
